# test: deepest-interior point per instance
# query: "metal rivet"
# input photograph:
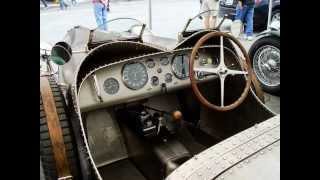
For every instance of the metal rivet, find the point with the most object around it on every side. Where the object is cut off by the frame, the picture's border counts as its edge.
(239, 157)
(224, 158)
(231, 161)
(269, 148)
(230, 172)
(247, 161)
(261, 152)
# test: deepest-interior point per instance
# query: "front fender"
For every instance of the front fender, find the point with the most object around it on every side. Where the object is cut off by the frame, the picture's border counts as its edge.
(269, 33)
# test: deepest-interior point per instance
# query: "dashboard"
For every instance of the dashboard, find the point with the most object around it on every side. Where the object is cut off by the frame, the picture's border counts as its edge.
(138, 78)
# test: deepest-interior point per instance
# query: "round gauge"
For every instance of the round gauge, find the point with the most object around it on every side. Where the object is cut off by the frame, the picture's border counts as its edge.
(111, 86)
(154, 81)
(180, 66)
(168, 77)
(150, 63)
(134, 75)
(164, 61)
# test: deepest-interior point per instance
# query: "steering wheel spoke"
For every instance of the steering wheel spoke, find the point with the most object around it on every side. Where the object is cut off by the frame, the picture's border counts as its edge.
(206, 70)
(236, 72)
(222, 78)
(221, 64)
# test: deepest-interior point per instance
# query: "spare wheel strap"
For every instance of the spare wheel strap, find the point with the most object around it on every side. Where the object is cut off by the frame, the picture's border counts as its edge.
(55, 131)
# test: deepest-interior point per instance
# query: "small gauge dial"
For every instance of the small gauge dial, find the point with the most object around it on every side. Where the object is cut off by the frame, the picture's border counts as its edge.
(154, 81)
(111, 86)
(168, 77)
(164, 61)
(180, 66)
(135, 75)
(150, 63)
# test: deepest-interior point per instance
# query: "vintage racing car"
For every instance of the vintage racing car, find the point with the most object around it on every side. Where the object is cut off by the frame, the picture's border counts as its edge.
(126, 104)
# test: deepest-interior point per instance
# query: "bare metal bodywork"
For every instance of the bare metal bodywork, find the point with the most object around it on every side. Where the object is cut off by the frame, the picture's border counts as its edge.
(215, 148)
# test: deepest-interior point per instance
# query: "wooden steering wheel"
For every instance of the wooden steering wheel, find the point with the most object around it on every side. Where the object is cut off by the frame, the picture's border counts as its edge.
(221, 70)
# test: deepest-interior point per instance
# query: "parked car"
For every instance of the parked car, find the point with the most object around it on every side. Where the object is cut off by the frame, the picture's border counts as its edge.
(131, 105)
(261, 9)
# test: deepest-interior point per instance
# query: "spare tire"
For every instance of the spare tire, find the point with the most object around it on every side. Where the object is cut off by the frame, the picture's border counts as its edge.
(265, 58)
(46, 151)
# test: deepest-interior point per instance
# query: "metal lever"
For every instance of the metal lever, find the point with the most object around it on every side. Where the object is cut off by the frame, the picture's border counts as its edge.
(96, 87)
(142, 31)
(224, 18)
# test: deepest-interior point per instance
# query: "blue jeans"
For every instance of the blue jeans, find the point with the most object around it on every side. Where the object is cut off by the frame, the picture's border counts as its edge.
(100, 12)
(63, 4)
(246, 16)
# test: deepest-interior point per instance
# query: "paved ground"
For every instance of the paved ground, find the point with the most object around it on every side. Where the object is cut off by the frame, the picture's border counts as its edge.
(169, 18)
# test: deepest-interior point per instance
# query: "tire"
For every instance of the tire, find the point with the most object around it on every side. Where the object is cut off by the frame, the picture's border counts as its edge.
(254, 52)
(46, 152)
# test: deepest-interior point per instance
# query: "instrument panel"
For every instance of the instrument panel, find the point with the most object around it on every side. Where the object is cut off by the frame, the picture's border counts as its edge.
(136, 79)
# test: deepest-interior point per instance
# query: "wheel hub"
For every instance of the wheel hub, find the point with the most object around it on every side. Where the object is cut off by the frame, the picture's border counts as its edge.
(266, 64)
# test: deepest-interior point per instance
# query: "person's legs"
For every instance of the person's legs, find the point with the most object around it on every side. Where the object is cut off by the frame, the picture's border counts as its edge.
(249, 21)
(237, 25)
(104, 17)
(61, 2)
(98, 14)
(206, 22)
(65, 4)
(239, 13)
(44, 3)
(206, 15)
(213, 21)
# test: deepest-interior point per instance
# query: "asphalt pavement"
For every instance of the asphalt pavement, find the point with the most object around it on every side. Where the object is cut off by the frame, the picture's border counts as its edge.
(168, 18)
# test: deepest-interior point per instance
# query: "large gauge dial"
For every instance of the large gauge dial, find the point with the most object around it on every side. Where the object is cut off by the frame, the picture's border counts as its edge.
(180, 66)
(111, 86)
(135, 75)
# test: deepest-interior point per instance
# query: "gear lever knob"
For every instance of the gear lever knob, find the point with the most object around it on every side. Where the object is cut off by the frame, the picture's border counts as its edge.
(177, 115)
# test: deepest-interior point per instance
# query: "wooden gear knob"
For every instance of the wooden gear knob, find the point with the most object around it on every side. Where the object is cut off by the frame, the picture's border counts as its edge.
(177, 115)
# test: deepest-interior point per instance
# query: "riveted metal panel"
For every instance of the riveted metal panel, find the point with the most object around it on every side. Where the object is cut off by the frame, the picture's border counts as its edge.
(236, 150)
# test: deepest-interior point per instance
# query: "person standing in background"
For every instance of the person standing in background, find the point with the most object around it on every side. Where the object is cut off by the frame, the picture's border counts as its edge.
(244, 13)
(100, 13)
(44, 3)
(209, 18)
(63, 4)
(74, 2)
